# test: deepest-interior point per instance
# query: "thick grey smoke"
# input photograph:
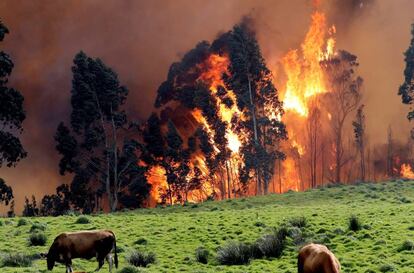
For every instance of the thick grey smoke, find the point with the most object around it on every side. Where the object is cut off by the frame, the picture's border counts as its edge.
(140, 39)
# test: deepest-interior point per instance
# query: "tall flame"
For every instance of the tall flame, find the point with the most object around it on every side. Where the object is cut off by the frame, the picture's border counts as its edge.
(305, 75)
(305, 82)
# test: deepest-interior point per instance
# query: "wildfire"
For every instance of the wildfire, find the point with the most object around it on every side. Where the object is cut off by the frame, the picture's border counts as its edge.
(214, 68)
(305, 75)
(406, 171)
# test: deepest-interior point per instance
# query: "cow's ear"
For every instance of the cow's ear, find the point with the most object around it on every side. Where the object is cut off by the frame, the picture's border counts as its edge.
(43, 255)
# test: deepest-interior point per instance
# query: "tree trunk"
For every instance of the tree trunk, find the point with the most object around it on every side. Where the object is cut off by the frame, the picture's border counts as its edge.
(256, 140)
(228, 180)
(115, 167)
(338, 151)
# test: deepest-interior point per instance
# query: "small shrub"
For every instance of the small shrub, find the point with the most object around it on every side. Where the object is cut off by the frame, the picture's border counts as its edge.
(272, 245)
(16, 260)
(387, 268)
(82, 220)
(141, 241)
(234, 253)
(38, 227)
(299, 222)
(131, 269)
(259, 224)
(255, 251)
(140, 258)
(339, 231)
(296, 235)
(354, 223)
(22, 222)
(37, 239)
(407, 245)
(201, 255)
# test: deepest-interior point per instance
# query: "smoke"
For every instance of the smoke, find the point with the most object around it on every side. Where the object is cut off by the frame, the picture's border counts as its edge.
(140, 39)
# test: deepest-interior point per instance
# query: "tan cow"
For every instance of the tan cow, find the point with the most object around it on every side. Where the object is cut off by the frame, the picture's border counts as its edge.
(85, 245)
(314, 258)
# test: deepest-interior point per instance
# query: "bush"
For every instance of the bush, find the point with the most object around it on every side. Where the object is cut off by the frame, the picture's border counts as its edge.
(407, 245)
(299, 222)
(234, 253)
(130, 269)
(82, 220)
(38, 227)
(387, 268)
(354, 224)
(297, 235)
(201, 255)
(22, 222)
(37, 239)
(272, 245)
(140, 258)
(141, 241)
(16, 260)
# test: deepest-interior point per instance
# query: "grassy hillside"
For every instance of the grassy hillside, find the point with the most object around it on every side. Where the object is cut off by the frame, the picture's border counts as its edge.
(386, 212)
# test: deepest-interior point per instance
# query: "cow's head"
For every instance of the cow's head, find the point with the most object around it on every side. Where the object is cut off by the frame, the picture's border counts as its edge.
(50, 260)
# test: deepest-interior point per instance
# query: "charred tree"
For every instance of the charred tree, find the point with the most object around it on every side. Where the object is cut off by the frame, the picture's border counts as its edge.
(359, 133)
(406, 90)
(313, 129)
(344, 98)
(390, 154)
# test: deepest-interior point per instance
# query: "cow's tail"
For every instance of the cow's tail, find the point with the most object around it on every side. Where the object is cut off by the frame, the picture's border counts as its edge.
(301, 265)
(115, 255)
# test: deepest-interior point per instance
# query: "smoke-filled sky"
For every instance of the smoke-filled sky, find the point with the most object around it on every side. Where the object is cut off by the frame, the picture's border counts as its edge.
(140, 39)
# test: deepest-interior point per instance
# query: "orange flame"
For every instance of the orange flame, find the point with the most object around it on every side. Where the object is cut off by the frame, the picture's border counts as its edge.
(305, 75)
(214, 68)
(406, 171)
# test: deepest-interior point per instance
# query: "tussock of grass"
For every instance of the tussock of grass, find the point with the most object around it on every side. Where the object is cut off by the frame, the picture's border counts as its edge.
(16, 260)
(82, 220)
(354, 223)
(22, 222)
(234, 253)
(201, 255)
(131, 269)
(408, 245)
(38, 227)
(37, 239)
(140, 258)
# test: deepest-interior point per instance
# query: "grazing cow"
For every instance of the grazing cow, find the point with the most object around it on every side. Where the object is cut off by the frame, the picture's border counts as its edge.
(82, 244)
(314, 258)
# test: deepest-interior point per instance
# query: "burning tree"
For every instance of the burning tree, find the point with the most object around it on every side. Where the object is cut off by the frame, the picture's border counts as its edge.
(222, 94)
(257, 99)
(99, 149)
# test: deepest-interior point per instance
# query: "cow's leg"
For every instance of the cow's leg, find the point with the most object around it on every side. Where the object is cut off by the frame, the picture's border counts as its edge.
(110, 262)
(68, 263)
(100, 263)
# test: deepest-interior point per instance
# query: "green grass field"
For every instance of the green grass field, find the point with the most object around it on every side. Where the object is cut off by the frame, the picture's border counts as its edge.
(385, 210)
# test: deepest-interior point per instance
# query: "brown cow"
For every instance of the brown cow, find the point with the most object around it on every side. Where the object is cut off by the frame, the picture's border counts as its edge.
(82, 244)
(314, 258)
